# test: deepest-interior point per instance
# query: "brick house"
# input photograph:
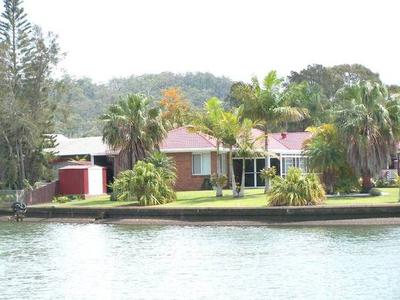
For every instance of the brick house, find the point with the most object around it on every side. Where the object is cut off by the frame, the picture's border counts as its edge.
(196, 157)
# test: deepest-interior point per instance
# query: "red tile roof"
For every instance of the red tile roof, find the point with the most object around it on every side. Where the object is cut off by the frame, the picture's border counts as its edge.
(289, 140)
(182, 138)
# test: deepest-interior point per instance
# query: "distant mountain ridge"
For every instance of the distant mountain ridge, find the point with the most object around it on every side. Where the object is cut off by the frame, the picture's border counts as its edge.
(81, 101)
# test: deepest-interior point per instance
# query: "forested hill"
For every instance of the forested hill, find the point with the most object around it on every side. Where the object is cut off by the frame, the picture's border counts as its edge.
(81, 101)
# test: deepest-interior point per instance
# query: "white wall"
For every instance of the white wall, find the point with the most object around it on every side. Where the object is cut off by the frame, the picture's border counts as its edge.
(95, 175)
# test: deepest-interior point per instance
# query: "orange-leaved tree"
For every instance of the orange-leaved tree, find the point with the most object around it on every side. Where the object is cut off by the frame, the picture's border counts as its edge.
(175, 107)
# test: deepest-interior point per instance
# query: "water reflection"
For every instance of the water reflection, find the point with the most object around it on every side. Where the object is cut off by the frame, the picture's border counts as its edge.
(91, 261)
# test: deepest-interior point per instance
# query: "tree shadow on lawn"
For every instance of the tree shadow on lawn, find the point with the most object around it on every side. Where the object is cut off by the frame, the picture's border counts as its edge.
(101, 203)
(227, 198)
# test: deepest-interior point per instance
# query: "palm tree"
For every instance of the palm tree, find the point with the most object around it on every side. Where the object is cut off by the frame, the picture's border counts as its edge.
(266, 105)
(209, 122)
(134, 127)
(231, 129)
(246, 148)
(369, 122)
(165, 164)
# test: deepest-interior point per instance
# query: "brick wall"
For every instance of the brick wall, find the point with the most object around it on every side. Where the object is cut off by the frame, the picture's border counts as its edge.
(185, 180)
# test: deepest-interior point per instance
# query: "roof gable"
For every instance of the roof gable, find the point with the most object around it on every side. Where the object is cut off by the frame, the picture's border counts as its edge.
(289, 140)
(182, 138)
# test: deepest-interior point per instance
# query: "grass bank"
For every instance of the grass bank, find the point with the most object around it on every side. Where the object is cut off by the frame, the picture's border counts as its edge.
(253, 198)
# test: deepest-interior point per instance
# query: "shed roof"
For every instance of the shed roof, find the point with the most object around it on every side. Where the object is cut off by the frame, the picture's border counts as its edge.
(80, 146)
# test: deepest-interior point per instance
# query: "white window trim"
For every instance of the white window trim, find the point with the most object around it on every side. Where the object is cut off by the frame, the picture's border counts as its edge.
(202, 173)
(222, 167)
(296, 162)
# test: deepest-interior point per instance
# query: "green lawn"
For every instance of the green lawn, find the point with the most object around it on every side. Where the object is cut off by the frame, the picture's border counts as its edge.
(100, 201)
(253, 198)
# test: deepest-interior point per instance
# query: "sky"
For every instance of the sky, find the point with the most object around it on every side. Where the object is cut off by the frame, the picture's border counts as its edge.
(239, 39)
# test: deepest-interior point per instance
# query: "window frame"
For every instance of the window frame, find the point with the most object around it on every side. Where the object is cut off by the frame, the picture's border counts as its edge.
(222, 167)
(202, 171)
(294, 162)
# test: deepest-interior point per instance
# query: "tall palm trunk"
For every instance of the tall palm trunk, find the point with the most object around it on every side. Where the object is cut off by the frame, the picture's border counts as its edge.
(233, 180)
(366, 182)
(267, 183)
(241, 192)
(218, 187)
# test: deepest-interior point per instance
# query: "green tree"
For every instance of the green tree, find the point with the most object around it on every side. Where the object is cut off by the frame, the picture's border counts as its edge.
(209, 122)
(81, 100)
(134, 127)
(27, 58)
(326, 154)
(266, 105)
(231, 125)
(331, 79)
(247, 147)
(369, 123)
(310, 97)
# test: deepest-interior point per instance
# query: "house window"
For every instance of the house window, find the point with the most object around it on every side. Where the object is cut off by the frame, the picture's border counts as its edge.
(222, 164)
(293, 160)
(201, 164)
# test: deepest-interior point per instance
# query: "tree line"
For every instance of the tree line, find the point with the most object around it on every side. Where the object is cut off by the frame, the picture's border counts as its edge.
(34, 106)
(27, 58)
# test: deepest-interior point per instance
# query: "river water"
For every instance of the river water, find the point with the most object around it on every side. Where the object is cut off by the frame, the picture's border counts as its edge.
(93, 261)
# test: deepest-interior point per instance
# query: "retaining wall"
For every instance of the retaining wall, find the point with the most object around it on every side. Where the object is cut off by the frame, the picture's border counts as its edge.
(272, 214)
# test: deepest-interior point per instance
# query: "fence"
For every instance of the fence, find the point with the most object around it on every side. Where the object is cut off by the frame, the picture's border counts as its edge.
(42, 194)
(9, 196)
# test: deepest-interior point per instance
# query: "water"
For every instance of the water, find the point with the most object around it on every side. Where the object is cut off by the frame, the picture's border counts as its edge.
(62, 261)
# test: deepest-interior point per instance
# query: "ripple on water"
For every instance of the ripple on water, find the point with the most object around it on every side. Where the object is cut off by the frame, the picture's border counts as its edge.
(92, 261)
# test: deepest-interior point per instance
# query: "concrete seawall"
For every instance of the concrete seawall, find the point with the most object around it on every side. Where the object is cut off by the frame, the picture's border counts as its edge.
(268, 215)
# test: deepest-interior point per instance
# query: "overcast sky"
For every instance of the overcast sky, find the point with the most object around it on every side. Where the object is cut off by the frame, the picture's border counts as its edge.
(235, 38)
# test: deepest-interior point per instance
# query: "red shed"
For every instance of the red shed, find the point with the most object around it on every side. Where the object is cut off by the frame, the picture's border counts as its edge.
(83, 180)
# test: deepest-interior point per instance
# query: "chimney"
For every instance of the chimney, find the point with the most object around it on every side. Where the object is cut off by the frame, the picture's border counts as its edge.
(283, 135)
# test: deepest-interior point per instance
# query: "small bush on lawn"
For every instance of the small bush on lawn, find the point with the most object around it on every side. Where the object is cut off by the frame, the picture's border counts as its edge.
(375, 192)
(146, 184)
(207, 185)
(383, 182)
(74, 197)
(296, 190)
(61, 199)
(222, 180)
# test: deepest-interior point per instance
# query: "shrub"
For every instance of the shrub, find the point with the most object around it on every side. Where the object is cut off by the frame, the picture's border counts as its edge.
(384, 182)
(268, 173)
(165, 165)
(296, 190)
(74, 197)
(146, 184)
(375, 192)
(61, 199)
(206, 185)
(347, 183)
(222, 180)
